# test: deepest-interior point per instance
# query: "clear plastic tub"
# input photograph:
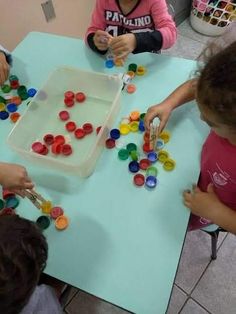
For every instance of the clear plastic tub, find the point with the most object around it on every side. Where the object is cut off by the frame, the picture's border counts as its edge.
(41, 117)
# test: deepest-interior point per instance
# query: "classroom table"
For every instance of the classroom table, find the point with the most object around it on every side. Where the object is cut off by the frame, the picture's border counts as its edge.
(123, 243)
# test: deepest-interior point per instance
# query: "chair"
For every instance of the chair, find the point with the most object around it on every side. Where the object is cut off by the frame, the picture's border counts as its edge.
(213, 231)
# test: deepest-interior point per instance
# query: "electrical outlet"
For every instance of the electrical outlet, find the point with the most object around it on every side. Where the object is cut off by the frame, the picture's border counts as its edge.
(48, 10)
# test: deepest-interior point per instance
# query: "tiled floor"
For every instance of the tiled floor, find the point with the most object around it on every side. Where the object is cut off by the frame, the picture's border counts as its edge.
(201, 286)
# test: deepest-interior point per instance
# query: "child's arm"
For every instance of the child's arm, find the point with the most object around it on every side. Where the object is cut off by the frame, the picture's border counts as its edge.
(14, 177)
(5, 61)
(208, 206)
(184, 93)
(95, 33)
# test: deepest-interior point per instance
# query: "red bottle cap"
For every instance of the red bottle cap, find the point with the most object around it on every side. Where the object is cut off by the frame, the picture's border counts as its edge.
(56, 148)
(69, 95)
(146, 148)
(64, 115)
(98, 129)
(48, 139)
(56, 212)
(66, 149)
(6, 194)
(38, 147)
(69, 102)
(139, 179)
(79, 133)
(70, 126)
(59, 139)
(45, 150)
(88, 128)
(80, 97)
(144, 164)
(110, 143)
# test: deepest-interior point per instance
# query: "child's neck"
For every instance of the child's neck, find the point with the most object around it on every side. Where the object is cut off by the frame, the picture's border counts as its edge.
(127, 5)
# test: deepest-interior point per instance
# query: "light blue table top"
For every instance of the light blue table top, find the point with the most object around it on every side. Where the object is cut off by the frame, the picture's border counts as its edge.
(123, 243)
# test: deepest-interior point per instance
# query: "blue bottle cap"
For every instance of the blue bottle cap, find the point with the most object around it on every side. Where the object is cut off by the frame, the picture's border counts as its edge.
(152, 156)
(141, 126)
(109, 63)
(4, 115)
(31, 92)
(12, 202)
(151, 182)
(160, 144)
(133, 166)
(115, 134)
(12, 107)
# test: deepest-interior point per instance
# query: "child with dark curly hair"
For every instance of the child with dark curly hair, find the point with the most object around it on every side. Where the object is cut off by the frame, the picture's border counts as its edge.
(23, 257)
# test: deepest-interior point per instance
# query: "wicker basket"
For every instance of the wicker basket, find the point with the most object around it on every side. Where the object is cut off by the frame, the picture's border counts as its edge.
(210, 17)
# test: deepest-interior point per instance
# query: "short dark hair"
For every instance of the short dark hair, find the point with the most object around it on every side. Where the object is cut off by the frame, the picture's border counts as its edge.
(23, 256)
(216, 86)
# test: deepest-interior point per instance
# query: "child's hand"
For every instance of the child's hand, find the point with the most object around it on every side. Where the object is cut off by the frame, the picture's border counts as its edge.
(101, 40)
(161, 111)
(122, 45)
(14, 177)
(203, 204)
(4, 68)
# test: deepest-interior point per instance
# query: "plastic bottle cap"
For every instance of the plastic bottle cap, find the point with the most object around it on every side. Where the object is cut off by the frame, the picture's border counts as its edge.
(79, 133)
(2, 100)
(132, 67)
(163, 155)
(142, 116)
(56, 212)
(16, 100)
(151, 182)
(151, 171)
(48, 139)
(43, 222)
(118, 62)
(141, 70)
(70, 126)
(61, 222)
(134, 166)
(2, 204)
(12, 107)
(169, 164)
(124, 129)
(69, 102)
(109, 63)
(64, 115)
(123, 154)
(139, 179)
(56, 148)
(130, 88)
(115, 134)
(6, 88)
(59, 139)
(31, 92)
(146, 137)
(46, 207)
(37, 147)
(6, 194)
(134, 115)
(141, 126)
(7, 211)
(134, 155)
(66, 150)
(88, 128)
(134, 126)
(2, 106)
(69, 95)
(121, 143)
(131, 146)
(152, 156)
(44, 151)
(4, 115)
(80, 97)
(146, 148)
(14, 116)
(110, 143)
(165, 136)
(144, 164)
(12, 202)
(160, 144)
(131, 74)
(98, 129)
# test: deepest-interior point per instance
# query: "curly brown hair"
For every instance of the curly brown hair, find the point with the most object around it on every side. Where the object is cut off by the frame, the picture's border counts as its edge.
(23, 256)
(216, 86)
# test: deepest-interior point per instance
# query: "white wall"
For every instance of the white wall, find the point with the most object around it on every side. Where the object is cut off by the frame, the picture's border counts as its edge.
(18, 17)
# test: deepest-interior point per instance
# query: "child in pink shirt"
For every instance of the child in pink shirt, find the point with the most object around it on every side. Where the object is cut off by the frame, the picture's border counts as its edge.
(127, 26)
(214, 199)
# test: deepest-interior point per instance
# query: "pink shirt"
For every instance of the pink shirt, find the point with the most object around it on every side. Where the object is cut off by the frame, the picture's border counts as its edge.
(218, 166)
(147, 16)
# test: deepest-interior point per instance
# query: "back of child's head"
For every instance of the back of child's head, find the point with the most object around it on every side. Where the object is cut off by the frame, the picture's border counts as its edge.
(216, 87)
(23, 256)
